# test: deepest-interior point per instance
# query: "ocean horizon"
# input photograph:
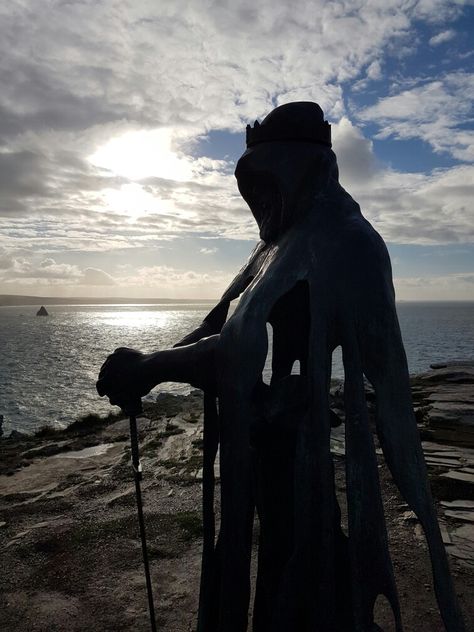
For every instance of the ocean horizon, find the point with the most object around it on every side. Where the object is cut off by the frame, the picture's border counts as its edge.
(18, 300)
(49, 365)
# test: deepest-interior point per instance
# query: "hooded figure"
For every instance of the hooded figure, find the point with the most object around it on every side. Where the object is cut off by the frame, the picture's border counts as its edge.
(320, 277)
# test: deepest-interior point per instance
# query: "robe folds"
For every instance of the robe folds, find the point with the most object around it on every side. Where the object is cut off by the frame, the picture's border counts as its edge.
(325, 282)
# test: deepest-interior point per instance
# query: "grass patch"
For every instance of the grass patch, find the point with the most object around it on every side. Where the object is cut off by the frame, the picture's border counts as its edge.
(86, 424)
(190, 525)
(195, 462)
(91, 422)
(160, 552)
(92, 530)
(152, 445)
(170, 430)
(47, 431)
(164, 532)
(118, 438)
(182, 481)
(170, 464)
(192, 418)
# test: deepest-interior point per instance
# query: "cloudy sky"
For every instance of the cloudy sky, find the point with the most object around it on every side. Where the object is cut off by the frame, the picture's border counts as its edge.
(121, 121)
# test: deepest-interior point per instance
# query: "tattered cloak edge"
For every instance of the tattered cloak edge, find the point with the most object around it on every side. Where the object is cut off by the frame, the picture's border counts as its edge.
(325, 282)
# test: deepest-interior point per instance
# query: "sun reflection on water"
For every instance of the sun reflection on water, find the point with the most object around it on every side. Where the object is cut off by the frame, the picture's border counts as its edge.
(137, 319)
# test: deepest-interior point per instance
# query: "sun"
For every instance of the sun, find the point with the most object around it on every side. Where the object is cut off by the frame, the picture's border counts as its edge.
(143, 154)
(133, 200)
(137, 156)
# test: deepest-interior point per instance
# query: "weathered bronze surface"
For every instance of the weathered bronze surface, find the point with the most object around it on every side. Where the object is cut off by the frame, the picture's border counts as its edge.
(321, 277)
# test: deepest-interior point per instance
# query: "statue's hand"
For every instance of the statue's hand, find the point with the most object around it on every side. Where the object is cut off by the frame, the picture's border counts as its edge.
(123, 378)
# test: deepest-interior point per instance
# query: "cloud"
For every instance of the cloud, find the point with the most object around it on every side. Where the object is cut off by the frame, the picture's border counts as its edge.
(405, 208)
(46, 269)
(409, 208)
(170, 281)
(217, 67)
(459, 286)
(374, 71)
(208, 251)
(6, 261)
(434, 110)
(94, 276)
(441, 38)
(437, 11)
(421, 209)
(23, 271)
(173, 71)
(354, 152)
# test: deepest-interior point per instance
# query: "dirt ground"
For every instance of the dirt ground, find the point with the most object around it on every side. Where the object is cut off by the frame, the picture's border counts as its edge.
(71, 556)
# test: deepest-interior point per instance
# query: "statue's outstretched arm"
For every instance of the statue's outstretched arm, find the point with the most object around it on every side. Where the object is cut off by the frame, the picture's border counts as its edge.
(127, 375)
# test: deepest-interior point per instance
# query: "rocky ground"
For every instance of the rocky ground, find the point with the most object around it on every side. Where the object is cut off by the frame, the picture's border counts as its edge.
(71, 557)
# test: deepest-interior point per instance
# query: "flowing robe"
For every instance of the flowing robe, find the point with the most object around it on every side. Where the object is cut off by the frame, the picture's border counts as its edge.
(325, 282)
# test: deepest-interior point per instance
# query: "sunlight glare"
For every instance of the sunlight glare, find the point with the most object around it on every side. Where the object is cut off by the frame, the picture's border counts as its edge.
(133, 200)
(142, 319)
(143, 154)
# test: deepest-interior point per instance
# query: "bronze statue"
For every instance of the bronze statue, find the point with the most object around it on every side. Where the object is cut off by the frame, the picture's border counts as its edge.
(321, 277)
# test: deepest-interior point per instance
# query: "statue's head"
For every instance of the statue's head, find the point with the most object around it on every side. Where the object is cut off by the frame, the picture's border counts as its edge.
(288, 158)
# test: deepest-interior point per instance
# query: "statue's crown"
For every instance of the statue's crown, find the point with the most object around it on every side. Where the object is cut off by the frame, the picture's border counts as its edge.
(298, 121)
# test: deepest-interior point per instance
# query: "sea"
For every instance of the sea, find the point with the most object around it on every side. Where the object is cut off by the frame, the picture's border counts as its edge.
(49, 365)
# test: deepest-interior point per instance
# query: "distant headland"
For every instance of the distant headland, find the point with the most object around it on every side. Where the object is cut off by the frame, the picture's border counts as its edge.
(17, 299)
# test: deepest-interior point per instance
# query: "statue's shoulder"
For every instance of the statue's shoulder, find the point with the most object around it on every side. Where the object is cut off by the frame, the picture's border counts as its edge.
(362, 267)
(353, 258)
(357, 235)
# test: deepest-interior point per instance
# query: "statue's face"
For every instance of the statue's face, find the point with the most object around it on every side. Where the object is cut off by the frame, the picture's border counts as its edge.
(260, 179)
(261, 192)
(271, 179)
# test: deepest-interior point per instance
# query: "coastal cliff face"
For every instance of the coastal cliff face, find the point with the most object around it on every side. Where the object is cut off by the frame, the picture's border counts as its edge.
(69, 534)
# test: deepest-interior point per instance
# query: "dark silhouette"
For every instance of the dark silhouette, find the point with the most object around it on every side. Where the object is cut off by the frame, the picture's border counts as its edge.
(321, 277)
(42, 311)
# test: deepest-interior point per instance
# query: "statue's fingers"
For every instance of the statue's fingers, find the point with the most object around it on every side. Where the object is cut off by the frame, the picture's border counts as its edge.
(100, 386)
(106, 364)
(115, 396)
(109, 363)
(102, 371)
(104, 386)
(131, 405)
